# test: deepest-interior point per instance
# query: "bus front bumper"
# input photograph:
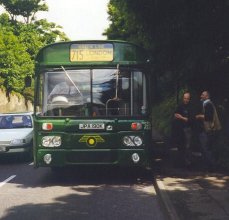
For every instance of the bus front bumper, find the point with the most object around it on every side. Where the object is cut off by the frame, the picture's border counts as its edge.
(120, 157)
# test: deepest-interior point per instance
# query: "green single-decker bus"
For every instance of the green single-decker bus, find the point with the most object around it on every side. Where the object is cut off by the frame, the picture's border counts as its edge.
(92, 105)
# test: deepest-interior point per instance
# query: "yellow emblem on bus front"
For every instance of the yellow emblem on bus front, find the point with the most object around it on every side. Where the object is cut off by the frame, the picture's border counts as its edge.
(91, 52)
(91, 140)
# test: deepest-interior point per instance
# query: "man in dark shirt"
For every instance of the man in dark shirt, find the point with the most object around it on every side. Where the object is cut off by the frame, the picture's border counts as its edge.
(183, 134)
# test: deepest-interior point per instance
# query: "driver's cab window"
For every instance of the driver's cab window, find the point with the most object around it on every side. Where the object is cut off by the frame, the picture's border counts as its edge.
(66, 91)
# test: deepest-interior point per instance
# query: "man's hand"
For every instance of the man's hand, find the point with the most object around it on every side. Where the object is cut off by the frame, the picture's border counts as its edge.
(200, 117)
(180, 117)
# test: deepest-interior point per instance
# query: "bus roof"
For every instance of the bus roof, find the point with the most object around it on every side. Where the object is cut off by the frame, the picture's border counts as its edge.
(91, 52)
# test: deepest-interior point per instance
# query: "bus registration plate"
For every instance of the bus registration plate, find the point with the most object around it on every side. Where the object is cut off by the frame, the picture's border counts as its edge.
(98, 126)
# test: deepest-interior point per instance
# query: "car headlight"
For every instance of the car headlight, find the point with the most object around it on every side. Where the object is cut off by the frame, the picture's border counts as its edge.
(137, 141)
(51, 141)
(17, 142)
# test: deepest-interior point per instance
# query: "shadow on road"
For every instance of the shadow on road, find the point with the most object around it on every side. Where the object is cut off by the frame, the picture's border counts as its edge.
(83, 193)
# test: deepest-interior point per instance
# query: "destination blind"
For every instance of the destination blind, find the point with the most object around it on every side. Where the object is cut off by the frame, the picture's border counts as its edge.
(91, 52)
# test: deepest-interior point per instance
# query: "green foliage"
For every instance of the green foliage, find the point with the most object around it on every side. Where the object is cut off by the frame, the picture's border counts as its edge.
(188, 40)
(29, 37)
(20, 42)
(15, 62)
(25, 8)
(5, 22)
(49, 32)
(124, 24)
(162, 115)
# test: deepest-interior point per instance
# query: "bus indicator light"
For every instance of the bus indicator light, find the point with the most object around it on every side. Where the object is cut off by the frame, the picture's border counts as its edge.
(136, 126)
(47, 126)
(47, 158)
(135, 158)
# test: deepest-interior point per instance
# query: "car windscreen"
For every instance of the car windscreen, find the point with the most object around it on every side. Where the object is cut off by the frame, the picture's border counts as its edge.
(15, 121)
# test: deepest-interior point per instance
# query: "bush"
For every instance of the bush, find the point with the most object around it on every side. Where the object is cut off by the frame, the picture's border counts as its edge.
(162, 115)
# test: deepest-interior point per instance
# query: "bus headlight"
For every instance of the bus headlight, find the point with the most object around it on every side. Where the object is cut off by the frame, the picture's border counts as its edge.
(51, 141)
(132, 141)
(137, 141)
(128, 141)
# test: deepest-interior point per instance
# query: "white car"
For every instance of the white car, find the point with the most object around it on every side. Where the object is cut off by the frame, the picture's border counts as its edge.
(16, 133)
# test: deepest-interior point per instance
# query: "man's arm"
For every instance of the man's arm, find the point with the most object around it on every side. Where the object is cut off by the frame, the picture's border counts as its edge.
(200, 117)
(208, 113)
(178, 116)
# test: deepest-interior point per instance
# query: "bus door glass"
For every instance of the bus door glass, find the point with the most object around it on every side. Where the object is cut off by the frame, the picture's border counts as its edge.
(108, 90)
(119, 93)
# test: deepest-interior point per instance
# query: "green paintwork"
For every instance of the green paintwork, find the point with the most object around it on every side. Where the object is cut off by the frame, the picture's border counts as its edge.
(59, 54)
(110, 151)
(109, 148)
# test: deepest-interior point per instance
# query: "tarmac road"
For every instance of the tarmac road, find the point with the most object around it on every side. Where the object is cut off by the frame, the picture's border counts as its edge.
(85, 193)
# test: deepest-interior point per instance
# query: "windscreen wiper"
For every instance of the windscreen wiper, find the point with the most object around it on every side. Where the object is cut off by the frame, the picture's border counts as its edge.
(71, 81)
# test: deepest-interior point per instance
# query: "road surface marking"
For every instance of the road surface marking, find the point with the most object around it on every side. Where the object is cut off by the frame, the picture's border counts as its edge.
(7, 180)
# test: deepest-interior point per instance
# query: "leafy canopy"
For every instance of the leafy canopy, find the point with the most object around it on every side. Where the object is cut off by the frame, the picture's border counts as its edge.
(187, 40)
(20, 41)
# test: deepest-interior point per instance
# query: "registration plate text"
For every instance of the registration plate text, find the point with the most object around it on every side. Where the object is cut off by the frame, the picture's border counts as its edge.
(92, 126)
